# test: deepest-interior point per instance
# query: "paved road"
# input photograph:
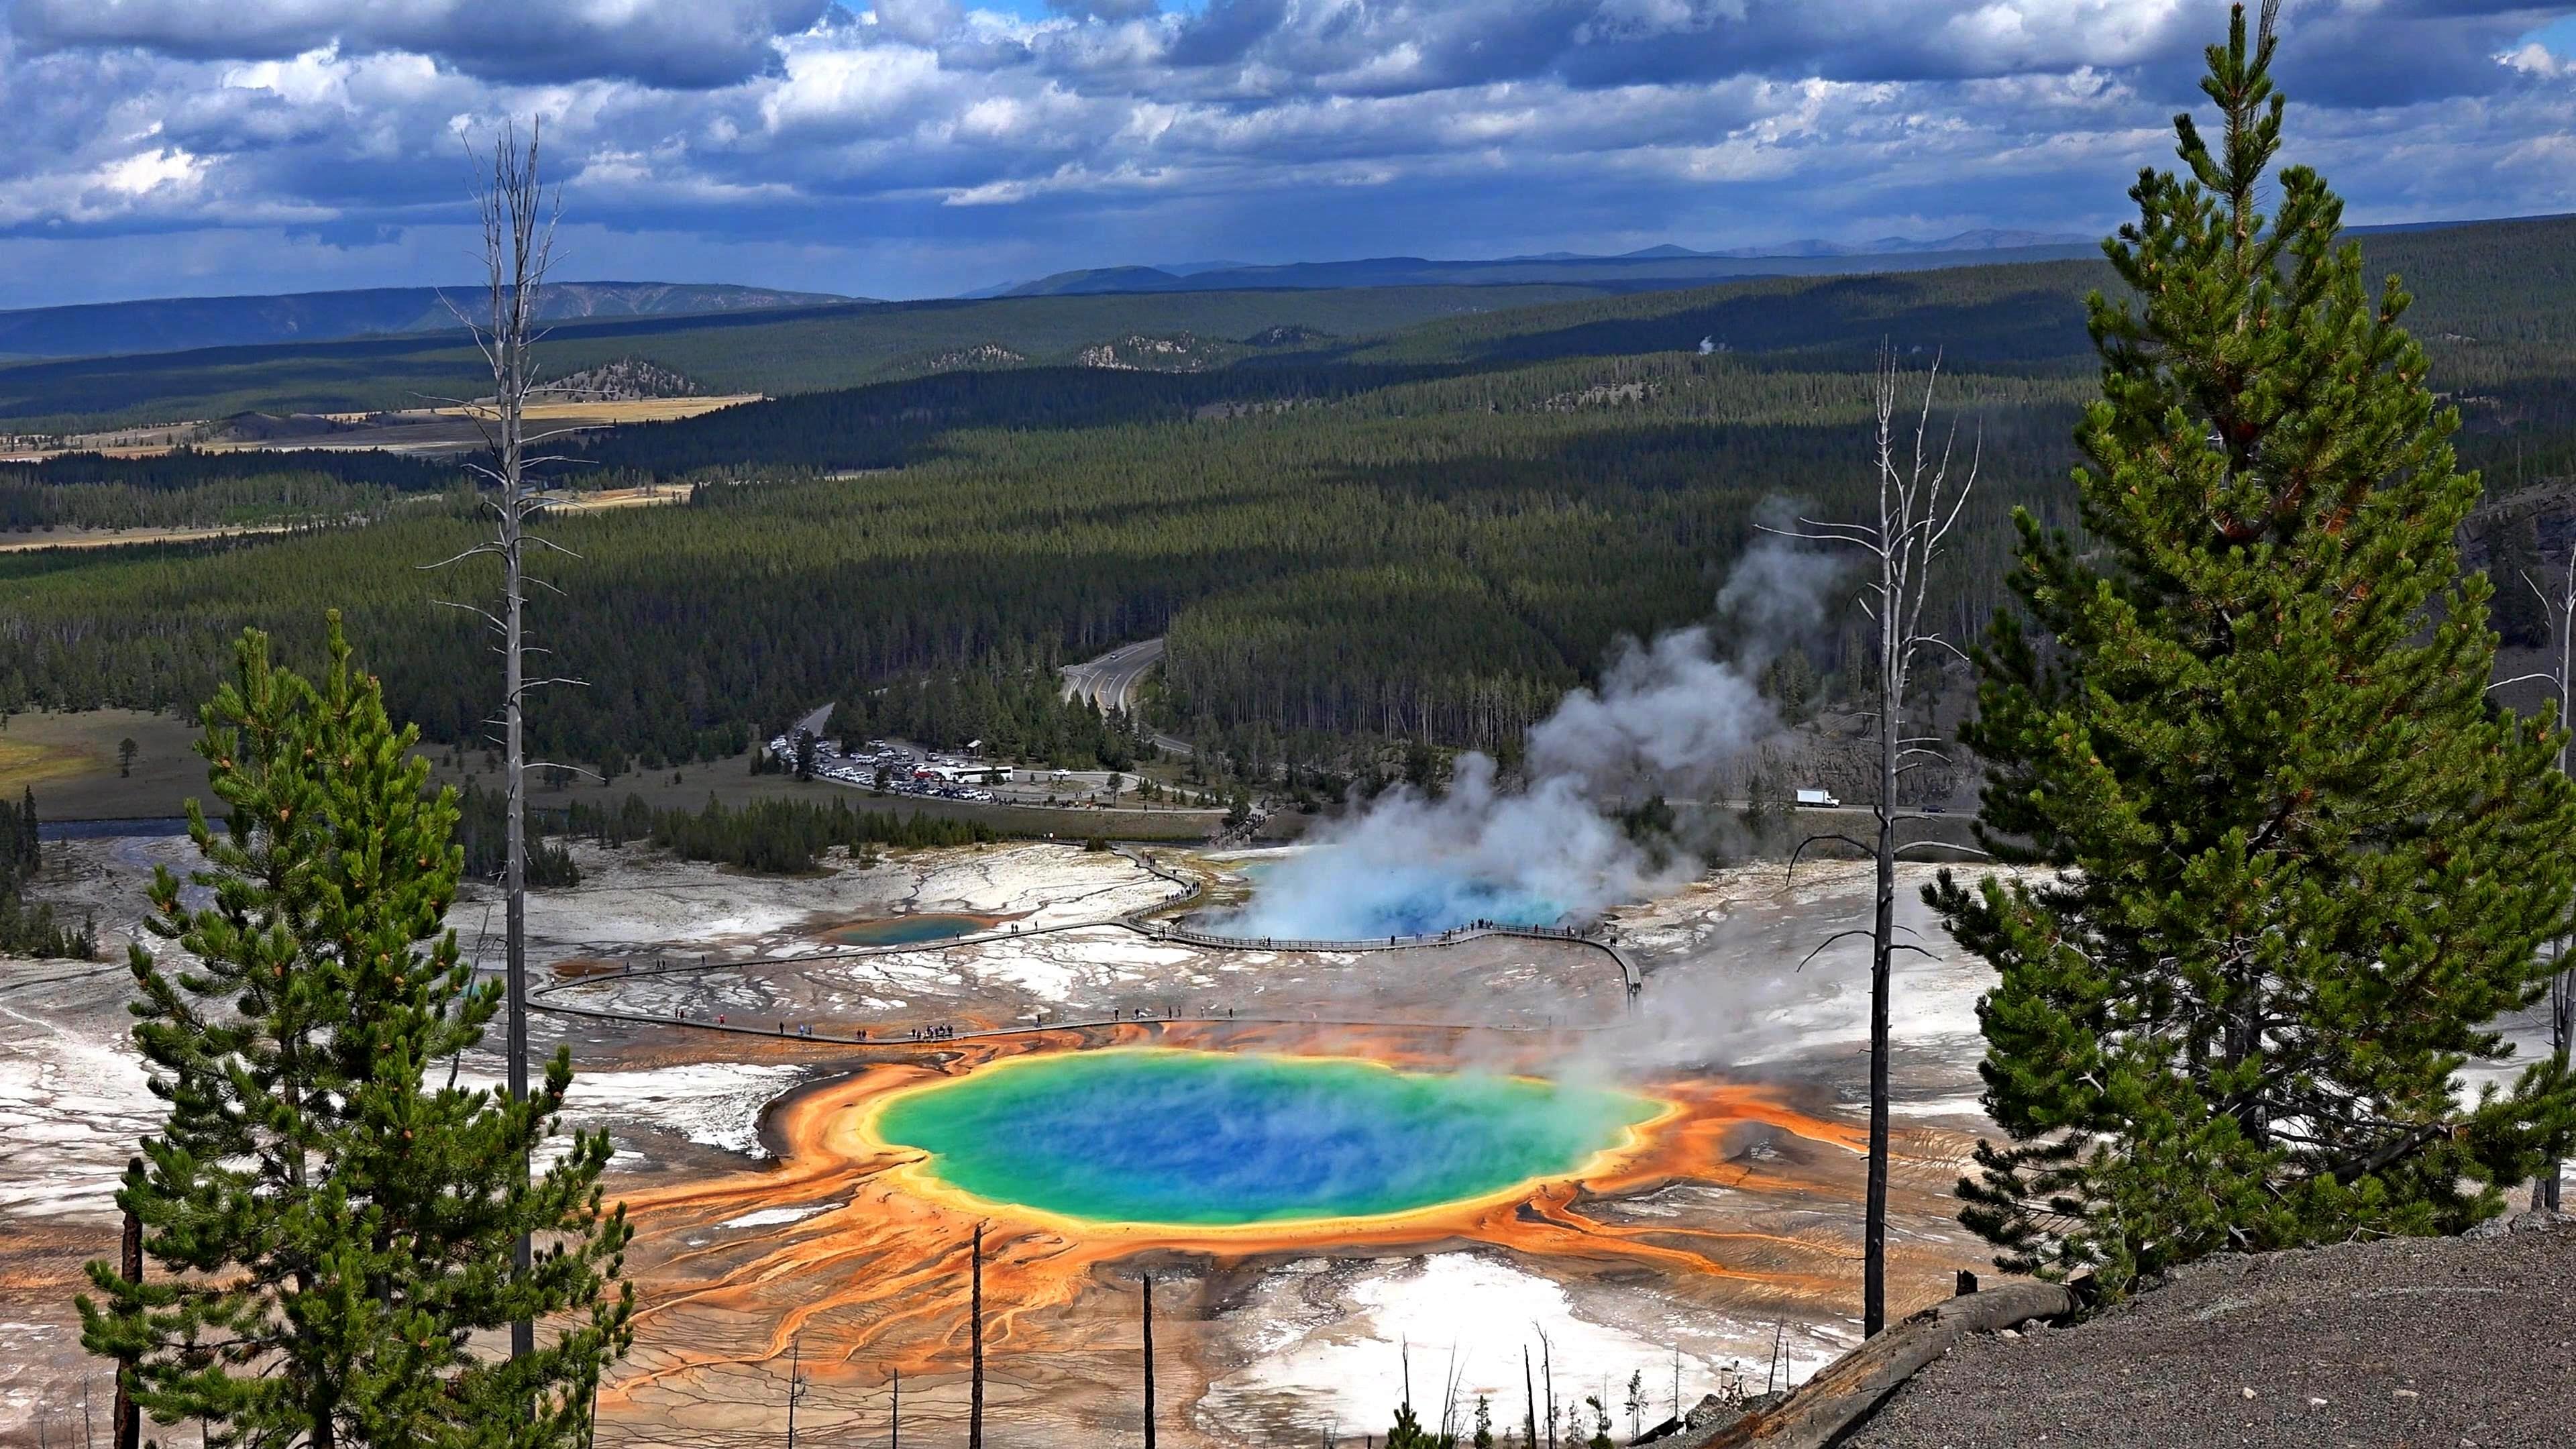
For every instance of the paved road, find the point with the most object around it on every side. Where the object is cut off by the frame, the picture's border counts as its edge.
(1111, 681)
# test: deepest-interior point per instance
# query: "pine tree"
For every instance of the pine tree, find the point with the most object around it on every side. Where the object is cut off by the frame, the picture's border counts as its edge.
(330, 1214)
(2519, 615)
(1408, 1432)
(2299, 865)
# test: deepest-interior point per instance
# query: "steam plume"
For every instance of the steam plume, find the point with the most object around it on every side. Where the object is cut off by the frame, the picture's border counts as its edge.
(1667, 717)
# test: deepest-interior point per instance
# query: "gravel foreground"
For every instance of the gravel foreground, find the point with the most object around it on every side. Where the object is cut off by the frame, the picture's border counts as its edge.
(2428, 1343)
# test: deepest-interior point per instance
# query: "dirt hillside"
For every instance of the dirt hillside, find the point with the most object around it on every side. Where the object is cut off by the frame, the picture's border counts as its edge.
(2448, 1342)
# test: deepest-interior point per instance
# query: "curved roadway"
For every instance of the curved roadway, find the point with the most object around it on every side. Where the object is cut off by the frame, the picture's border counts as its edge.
(1111, 681)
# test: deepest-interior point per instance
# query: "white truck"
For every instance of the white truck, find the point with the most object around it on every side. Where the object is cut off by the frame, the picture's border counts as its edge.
(1818, 799)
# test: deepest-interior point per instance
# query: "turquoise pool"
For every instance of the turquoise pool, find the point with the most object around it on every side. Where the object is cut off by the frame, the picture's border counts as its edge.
(1203, 1138)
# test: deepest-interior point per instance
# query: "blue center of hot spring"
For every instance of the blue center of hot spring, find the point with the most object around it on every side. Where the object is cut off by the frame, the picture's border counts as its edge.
(1166, 1136)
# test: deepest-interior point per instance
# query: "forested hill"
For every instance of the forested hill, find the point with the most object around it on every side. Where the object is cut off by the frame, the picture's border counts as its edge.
(2495, 304)
(1433, 557)
(2492, 286)
(809, 349)
(1427, 532)
(1659, 268)
(172, 324)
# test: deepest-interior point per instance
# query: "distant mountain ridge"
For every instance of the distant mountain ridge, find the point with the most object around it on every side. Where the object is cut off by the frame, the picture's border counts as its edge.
(177, 324)
(1667, 265)
(1984, 239)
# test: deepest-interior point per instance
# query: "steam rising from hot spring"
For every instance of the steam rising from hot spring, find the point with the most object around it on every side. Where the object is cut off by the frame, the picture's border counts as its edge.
(1667, 717)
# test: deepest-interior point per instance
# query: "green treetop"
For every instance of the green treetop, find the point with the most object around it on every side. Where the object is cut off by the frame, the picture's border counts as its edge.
(2296, 865)
(329, 1214)
(1408, 1433)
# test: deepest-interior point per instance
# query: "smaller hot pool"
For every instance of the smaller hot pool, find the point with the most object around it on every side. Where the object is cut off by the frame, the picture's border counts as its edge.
(911, 930)
(1328, 894)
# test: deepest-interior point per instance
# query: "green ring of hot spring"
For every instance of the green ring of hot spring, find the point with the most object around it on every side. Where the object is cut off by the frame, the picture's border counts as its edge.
(1162, 1135)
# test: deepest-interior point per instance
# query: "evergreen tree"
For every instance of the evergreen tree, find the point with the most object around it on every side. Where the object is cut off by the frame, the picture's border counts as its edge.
(26, 841)
(1600, 1422)
(30, 930)
(2298, 864)
(331, 1215)
(1408, 1433)
(2519, 615)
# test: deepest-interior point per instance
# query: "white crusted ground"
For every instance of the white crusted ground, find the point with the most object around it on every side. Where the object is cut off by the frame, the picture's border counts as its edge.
(74, 1099)
(73, 1103)
(632, 898)
(713, 1104)
(1325, 1342)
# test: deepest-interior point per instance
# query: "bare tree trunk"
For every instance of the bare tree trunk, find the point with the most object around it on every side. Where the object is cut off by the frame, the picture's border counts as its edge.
(127, 1424)
(1916, 510)
(894, 1421)
(975, 1327)
(795, 1362)
(1547, 1376)
(2562, 1027)
(1882, 954)
(1148, 1317)
(1529, 1389)
(518, 247)
(2562, 987)
(514, 882)
(514, 754)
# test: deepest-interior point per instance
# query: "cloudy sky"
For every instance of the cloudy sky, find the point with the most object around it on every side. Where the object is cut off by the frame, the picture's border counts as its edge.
(924, 147)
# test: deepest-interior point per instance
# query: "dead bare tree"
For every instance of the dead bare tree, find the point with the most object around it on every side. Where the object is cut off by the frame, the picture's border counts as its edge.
(2562, 987)
(795, 1383)
(518, 216)
(1146, 1316)
(126, 1426)
(1918, 505)
(1547, 1376)
(1529, 1392)
(975, 1319)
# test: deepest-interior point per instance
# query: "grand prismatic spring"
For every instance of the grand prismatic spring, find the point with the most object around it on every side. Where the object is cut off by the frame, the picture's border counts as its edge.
(1215, 1158)
(1213, 1139)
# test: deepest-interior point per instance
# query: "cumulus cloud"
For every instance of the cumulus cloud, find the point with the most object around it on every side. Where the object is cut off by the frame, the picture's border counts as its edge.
(915, 146)
(680, 43)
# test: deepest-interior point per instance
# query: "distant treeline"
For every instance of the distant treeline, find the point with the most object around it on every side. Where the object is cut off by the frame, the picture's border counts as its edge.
(894, 423)
(481, 820)
(1020, 715)
(186, 488)
(31, 930)
(190, 489)
(182, 469)
(811, 350)
(1438, 559)
(777, 837)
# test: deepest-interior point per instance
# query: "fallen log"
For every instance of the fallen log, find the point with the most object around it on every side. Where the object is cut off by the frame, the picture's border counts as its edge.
(1843, 1391)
